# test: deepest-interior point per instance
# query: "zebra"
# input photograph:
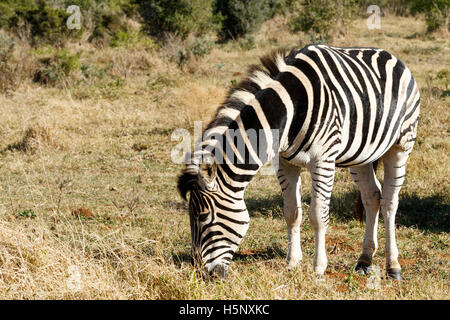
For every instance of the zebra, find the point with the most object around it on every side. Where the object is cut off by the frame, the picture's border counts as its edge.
(331, 107)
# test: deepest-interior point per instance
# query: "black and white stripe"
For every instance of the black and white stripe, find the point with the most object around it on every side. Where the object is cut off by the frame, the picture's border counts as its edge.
(321, 107)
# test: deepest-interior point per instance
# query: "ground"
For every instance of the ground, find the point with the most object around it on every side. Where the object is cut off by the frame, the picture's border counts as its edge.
(88, 201)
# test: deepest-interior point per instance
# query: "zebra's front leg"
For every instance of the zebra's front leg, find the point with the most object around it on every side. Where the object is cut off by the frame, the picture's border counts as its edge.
(290, 182)
(322, 176)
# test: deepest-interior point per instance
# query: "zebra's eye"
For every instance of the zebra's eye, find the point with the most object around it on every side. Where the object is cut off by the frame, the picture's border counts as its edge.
(203, 215)
(193, 211)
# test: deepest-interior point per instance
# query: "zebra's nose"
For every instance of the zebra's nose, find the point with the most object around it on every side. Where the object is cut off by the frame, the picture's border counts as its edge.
(219, 270)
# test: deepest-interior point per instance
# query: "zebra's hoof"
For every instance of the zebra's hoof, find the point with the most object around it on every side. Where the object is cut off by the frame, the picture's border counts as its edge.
(292, 263)
(363, 268)
(320, 278)
(394, 274)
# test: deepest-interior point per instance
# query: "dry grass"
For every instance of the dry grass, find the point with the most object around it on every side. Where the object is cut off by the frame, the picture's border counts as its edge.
(103, 145)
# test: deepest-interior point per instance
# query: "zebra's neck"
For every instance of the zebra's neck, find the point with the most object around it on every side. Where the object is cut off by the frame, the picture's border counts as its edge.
(241, 139)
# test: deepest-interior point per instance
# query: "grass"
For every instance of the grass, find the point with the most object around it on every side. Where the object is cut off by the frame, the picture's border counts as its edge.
(101, 143)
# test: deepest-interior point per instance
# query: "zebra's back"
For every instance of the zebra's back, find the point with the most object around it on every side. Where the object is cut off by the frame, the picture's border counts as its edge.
(350, 104)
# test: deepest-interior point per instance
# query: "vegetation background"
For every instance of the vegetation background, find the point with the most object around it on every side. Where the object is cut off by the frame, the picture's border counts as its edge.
(88, 201)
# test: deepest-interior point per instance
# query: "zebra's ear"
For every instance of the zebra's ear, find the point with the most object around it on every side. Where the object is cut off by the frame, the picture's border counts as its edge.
(208, 170)
(188, 179)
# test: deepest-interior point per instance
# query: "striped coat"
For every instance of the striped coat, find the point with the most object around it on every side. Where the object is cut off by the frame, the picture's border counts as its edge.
(319, 107)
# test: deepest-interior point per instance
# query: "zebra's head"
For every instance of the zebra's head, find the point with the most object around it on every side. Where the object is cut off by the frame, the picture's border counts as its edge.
(219, 219)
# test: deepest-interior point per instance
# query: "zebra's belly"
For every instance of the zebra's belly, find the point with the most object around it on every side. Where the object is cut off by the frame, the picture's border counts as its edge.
(365, 154)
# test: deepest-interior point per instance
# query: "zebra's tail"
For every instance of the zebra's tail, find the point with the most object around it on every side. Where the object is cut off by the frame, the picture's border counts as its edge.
(359, 208)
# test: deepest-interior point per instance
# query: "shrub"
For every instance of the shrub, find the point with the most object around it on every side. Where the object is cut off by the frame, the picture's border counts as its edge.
(6, 12)
(247, 42)
(322, 19)
(436, 12)
(178, 17)
(7, 74)
(57, 67)
(45, 21)
(103, 19)
(396, 7)
(107, 25)
(201, 47)
(132, 38)
(185, 51)
(38, 21)
(240, 17)
(280, 7)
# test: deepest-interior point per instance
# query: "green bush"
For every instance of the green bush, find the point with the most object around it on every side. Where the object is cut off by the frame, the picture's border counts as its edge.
(57, 67)
(280, 7)
(132, 39)
(396, 7)
(240, 17)
(38, 21)
(201, 47)
(247, 42)
(45, 21)
(180, 17)
(7, 74)
(323, 18)
(436, 12)
(104, 19)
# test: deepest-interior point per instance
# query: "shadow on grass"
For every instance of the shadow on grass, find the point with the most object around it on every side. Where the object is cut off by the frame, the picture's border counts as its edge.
(268, 207)
(430, 213)
(181, 257)
(342, 206)
(269, 253)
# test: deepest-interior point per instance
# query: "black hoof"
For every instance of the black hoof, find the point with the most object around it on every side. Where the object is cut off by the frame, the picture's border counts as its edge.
(363, 268)
(394, 274)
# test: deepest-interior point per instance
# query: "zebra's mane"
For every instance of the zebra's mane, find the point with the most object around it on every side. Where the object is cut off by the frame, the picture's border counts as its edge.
(268, 67)
(189, 178)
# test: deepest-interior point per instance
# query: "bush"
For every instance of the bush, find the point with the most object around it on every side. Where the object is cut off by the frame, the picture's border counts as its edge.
(57, 67)
(104, 19)
(396, 7)
(37, 21)
(436, 12)
(280, 7)
(45, 21)
(180, 17)
(201, 47)
(240, 17)
(322, 19)
(7, 69)
(132, 39)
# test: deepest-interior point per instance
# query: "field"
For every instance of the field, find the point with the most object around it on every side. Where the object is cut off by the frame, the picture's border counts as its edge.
(88, 201)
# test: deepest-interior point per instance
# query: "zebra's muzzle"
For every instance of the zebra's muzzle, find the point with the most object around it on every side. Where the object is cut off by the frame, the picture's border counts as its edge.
(219, 270)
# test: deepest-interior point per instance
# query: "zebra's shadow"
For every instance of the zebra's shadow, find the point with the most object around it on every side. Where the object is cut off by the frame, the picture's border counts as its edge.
(269, 253)
(180, 258)
(430, 213)
(342, 205)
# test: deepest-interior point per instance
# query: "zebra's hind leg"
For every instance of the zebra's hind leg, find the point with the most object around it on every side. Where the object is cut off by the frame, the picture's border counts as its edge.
(394, 175)
(290, 182)
(322, 176)
(370, 188)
